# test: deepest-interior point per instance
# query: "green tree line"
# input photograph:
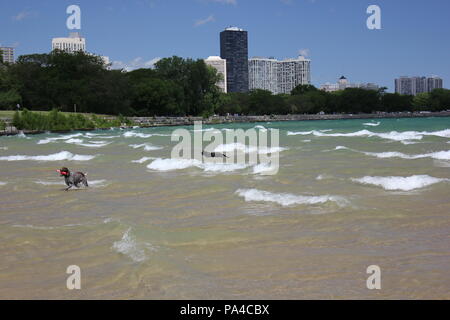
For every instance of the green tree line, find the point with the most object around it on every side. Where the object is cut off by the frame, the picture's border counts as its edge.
(55, 120)
(175, 87)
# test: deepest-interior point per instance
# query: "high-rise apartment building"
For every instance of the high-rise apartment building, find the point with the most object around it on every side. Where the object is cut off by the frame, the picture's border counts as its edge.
(293, 72)
(71, 44)
(415, 85)
(221, 66)
(434, 82)
(263, 74)
(234, 49)
(7, 54)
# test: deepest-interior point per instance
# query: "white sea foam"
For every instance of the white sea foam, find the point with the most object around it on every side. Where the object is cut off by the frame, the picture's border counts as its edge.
(172, 164)
(2, 183)
(179, 164)
(296, 133)
(372, 124)
(264, 168)
(206, 130)
(63, 155)
(265, 150)
(400, 183)
(91, 144)
(286, 199)
(143, 159)
(98, 183)
(438, 155)
(146, 146)
(231, 147)
(221, 167)
(49, 183)
(129, 246)
(261, 128)
(22, 135)
(392, 135)
(64, 137)
(131, 134)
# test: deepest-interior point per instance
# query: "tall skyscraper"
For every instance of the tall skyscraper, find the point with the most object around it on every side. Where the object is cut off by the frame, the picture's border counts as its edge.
(292, 72)
(263, 74)
(7, 54)
(71, 44)
(221, 66)
(415, 85)
(234, 49)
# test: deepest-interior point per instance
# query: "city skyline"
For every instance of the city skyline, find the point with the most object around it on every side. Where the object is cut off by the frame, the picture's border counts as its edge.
(334, 37)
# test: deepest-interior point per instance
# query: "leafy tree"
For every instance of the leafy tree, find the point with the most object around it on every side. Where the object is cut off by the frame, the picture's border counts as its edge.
(421, 101)
(439, 99)
(302, 89)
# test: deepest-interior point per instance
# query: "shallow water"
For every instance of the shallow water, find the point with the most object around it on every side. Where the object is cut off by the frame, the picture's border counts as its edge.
(349, 194)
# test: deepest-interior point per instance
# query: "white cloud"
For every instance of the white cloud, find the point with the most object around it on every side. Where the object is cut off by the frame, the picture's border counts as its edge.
(23, 15)
(136, 63)
(304, 52)
(204, 21)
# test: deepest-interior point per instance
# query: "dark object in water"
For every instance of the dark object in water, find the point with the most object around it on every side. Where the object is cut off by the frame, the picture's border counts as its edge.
(214, 154)
(73, 179)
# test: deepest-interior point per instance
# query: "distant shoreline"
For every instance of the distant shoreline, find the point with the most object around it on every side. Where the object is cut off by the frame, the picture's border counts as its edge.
(149, 122)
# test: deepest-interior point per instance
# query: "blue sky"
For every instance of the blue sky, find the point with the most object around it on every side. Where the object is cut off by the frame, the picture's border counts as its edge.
(414, 39)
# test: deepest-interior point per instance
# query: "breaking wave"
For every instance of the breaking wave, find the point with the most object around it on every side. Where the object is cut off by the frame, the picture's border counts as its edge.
(91, 144)
(66, 137)
(179, 164)
(400, 183)
(130, 134)
(146, 146)
(264, 168)
(143, 159)
(439, 155)
(231, 147)
(287, 199)
(63, 155)
(393, 135)
(129, 246)
(372, 124)
(172, 164)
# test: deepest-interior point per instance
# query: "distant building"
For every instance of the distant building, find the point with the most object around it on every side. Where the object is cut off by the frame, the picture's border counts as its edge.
(343, 84)
(71, 44)
(221, 66)
(293, 72)
(278, 76)
(415, 85)
(7, 54)
(263, 74)
(434, 82)
(234, 49)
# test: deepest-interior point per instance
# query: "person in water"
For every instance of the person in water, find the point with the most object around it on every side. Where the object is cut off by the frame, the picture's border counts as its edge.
(214, 154)
(73, 179)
